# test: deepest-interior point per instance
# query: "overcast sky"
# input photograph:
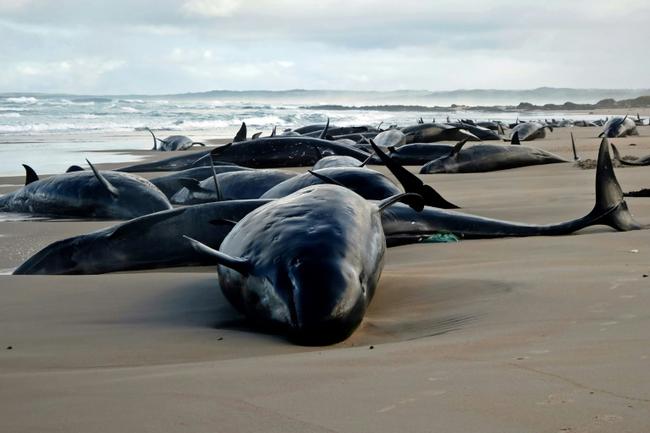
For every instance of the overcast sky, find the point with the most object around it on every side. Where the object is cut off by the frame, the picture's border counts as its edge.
(169, 46)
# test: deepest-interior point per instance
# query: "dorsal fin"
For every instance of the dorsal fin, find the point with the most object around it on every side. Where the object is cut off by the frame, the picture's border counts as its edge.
(411, 183)
(414, 200)
(457, 148)
(274, 131)
(155, 145)
(326, 179)
(30, 175)
(104, 182)
(241, 134)
(515, 138)
(256, 136)
(323, 134)
(74, 168)
(573, 146)
(216, 182)
(238, 264)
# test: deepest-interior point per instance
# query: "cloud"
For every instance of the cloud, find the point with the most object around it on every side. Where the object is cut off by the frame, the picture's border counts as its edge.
(82, 73)
(162, 46)
(211, 8)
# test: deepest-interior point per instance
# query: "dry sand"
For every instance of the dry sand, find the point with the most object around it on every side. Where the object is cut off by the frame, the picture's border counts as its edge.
(547, 334)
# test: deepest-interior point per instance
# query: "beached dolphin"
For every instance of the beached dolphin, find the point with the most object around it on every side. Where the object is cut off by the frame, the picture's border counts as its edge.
(368, 183)
(148, 242)
(175, 163)
(132, 245)
(644, 160)
(279, 151)
(390, 138)
(403, 226)
(432, 132)
(488, 157)
(173, 142)
(86, 194)
(343, 131)
(182, 162)
(338, 161)
(174, 182)
(484, 134)
(234, 185)
(415, 153)
(619, 127)
(307, 264)
(529, 131)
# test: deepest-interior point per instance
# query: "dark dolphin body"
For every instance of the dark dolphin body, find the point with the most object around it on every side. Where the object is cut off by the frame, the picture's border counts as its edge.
(235, 185)
(619, 127)
(336, 161)
(148, 242)
(529, 131)
(151, 241)
(390, 138)
(484, 134)
(173, 142)
(306, 264)
(335, 131)
(87, 194)
(175, 163)
(645, 160)
(488, 157)
(272, 152)
(419, 153)
(172, 183)
(432, 132)
(183, 162)
(369, 184)
(402, 225)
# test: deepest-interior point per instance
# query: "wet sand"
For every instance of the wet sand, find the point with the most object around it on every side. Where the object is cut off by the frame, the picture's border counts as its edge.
(546, 334)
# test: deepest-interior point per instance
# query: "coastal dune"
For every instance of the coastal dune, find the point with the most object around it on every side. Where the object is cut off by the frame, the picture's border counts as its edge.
(540, 334)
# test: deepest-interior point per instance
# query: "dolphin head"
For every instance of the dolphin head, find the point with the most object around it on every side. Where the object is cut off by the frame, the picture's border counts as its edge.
(326, 300)
(58, 258)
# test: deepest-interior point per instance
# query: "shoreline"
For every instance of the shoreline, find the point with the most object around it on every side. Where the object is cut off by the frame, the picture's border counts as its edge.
(492, 335)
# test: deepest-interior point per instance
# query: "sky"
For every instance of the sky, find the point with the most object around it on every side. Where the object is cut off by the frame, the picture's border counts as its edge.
(174, 46)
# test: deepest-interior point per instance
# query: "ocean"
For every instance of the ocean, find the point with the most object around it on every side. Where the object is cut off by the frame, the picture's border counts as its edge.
(51, 132)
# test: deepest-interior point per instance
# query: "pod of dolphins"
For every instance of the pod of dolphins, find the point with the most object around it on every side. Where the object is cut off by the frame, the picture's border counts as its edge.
(298, 253)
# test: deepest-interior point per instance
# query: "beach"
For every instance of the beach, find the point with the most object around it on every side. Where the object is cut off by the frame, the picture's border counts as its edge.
(544, 334)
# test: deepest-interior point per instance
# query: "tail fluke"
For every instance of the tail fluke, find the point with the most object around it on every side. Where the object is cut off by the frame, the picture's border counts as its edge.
(411, 183)
(620, 160)
(611, 208)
